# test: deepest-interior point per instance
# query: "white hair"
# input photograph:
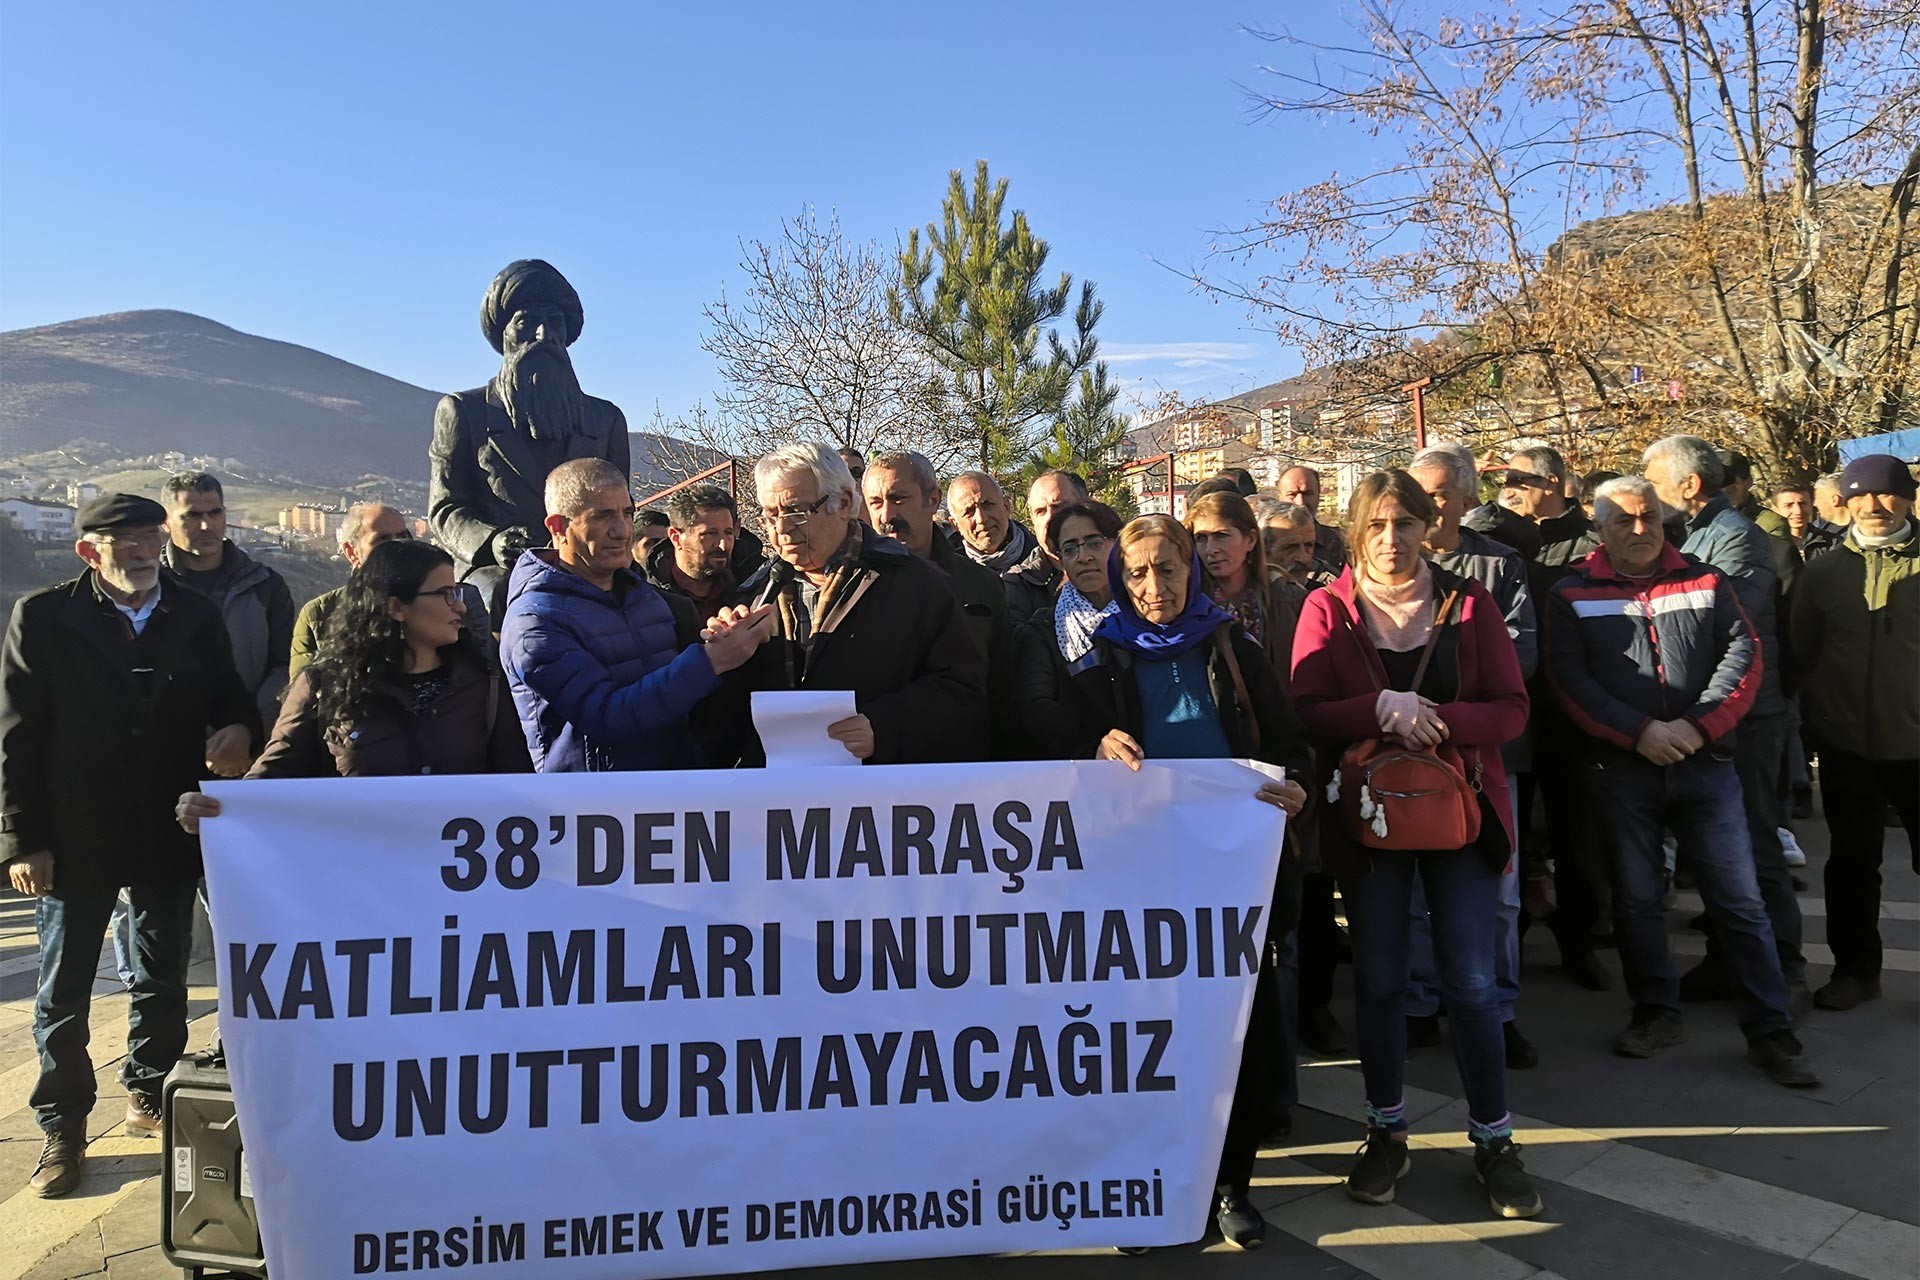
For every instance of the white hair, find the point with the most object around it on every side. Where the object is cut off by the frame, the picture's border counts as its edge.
(809, 457)
(1686, 456)
(1829, 483)
(1289, 513)
(1623, 487)
(572, 485)
(979, 480)
(358, 517)
(1463, 470)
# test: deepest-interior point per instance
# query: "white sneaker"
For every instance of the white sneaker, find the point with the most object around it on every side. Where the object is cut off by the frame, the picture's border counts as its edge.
(1796, 856)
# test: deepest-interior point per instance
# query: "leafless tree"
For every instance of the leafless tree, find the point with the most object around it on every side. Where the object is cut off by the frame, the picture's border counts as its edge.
(809, 351)
(1637, 215)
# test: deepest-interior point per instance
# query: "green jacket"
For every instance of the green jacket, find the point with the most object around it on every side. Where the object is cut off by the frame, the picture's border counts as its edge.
(1856, 645)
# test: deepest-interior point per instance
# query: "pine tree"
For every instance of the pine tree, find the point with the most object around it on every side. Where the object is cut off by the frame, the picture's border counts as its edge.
(1085, 435)
(982, 311)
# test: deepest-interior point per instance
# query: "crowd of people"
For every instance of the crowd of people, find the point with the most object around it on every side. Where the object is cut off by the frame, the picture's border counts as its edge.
(1651, 659)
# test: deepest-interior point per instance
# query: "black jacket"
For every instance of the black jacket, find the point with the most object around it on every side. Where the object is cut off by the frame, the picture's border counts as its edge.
(101, 732)
(484, 475)
(459, 734)
(983, 608)
(912, 665)
(1108, 697)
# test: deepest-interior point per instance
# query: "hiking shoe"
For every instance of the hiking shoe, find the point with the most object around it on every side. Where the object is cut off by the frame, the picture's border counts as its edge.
(1423, 1030)
(1521, 1055)
(143, 1114)
(1650, 1031)
(1843, 993)
(1795, 855)
(1705, 981)
(1509, 1189)
(61, 1161)
(1383, 1162)
(1240, 1223)
(1778, 1053)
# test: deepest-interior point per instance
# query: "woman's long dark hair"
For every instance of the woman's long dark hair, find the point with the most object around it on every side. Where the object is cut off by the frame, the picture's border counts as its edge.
(365, 647)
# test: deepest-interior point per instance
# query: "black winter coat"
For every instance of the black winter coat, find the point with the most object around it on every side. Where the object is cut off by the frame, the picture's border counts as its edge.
(903, 650)
(457, 735)
(101, 732)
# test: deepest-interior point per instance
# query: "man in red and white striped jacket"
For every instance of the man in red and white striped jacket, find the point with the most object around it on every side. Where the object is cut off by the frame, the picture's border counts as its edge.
(1653, 656)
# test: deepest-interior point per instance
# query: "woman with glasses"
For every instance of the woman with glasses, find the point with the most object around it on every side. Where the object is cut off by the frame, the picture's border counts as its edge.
(399, 686)
(1051, 645)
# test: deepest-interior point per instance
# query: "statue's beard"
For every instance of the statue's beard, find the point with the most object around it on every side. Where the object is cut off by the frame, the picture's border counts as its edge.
(540, 393)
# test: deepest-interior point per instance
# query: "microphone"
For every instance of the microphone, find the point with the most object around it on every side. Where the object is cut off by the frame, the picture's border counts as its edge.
(777, 579)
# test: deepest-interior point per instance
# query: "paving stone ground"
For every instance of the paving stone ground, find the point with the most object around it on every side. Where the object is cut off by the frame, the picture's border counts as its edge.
(1689, 1166)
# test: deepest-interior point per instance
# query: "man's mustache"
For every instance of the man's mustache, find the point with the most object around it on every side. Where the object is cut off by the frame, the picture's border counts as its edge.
(898, 526)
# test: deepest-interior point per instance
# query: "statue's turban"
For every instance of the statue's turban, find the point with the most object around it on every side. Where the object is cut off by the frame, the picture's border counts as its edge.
(528, 281)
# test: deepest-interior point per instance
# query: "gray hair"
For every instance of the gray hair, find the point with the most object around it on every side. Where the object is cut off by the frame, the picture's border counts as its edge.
(907, 462)
(809, 457)
(358, 517)
(1288, 513)
(1625, 487)
(980, 480)
(1829, 483)
(1687, 456)
(571, 485)
(192, 482)
(1542, 460)
(1462, 468)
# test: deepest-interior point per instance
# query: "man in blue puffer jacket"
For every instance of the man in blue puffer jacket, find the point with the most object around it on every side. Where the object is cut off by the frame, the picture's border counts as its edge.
(605, 669)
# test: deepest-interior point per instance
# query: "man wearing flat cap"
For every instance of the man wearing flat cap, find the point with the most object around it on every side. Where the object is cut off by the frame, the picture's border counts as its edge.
(493, 446)
(108, 686)
(1855, 630)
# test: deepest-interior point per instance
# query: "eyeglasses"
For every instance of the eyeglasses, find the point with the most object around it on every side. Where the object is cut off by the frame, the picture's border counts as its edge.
(793, 517)
(453, 595)
(136, 541)
(1516, 478)
(1092, 546)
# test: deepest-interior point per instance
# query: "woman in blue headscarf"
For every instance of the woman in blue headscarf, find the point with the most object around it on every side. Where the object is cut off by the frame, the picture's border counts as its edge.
(1173, 677)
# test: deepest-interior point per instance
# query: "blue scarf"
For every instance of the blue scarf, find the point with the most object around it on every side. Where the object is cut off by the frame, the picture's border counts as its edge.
(1156, 641)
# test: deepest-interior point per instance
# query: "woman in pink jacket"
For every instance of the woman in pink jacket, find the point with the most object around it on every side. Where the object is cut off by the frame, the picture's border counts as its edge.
(1356, 655)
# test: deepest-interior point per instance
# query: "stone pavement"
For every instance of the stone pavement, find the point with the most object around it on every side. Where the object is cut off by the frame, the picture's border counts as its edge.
(1689, 1166)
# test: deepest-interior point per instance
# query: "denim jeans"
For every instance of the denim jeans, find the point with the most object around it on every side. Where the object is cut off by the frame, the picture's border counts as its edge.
(1700, 800)
(71, 928)
(1759, 747)
(1855, 793)
(1463, 896)
(1423, 975)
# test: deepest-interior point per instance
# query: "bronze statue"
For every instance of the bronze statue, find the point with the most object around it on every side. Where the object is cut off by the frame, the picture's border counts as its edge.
(493, 446)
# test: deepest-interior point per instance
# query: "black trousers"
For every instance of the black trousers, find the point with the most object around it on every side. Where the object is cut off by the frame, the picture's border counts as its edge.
(1855, 793)
(1579, 876)
(1268, 1084)
(1319, 942)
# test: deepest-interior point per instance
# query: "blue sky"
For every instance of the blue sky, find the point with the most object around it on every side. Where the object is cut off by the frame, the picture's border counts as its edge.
(349, 176)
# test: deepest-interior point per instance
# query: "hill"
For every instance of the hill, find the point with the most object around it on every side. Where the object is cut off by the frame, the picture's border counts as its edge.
(141, 383)
(152, 381)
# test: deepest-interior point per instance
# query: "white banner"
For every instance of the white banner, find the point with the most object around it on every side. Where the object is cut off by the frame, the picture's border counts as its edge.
(665, 1024)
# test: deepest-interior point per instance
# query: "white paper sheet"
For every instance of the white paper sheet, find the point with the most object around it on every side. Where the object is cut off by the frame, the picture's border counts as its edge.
(793, 726)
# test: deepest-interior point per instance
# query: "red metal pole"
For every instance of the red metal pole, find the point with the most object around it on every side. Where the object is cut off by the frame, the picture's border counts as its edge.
(1419, 410)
